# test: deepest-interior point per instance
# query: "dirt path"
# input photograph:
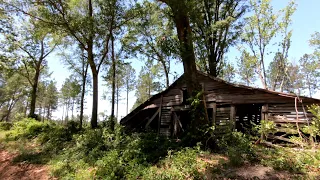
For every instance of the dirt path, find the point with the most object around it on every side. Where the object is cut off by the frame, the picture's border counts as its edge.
(13, 171)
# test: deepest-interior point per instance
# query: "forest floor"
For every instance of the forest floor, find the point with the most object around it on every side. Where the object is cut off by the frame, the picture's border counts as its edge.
(26, 159)
(246, 171)
(11, 170)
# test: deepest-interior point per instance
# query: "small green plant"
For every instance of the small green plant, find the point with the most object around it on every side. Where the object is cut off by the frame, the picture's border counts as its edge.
(266, 127)
(314, 128)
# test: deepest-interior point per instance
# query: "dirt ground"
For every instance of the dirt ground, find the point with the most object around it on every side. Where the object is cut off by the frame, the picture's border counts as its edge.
(10, 170)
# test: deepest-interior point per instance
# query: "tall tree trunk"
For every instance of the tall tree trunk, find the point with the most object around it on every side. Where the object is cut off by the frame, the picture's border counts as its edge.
(62, 118)
(68, 107)
(261, 76)
(44, 113)
(117, 99)
(113, 81)
(166, 72)
(48, 112)
(84, 78)
(94, 115)
(72, 108)
(26, 109)
(181, 19)
(34, 91)
(10, 109)
(264, 75)
(127, 96)
(182, 22)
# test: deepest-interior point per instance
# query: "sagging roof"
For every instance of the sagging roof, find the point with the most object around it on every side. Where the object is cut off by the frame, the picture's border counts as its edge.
(142, 106)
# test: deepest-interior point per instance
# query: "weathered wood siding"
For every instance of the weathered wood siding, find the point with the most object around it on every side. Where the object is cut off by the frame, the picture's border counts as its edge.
(286, 113)
(222, 93)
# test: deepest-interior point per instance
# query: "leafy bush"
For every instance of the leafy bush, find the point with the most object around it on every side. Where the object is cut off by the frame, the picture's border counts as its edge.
(265, 128)
(5, 126)
(182, 164)
(27, 128)
(283, 159)
(238, 147)
(314, 128)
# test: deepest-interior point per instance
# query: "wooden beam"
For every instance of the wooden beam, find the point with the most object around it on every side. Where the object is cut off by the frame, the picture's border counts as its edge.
(233, 115)
(152, 118)
(159, 120)
(214, 114)
(264, 112)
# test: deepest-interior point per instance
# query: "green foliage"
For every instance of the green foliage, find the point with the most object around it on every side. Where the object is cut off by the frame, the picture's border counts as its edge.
(180, 165)
(105, 154)
(114, 154)
(148, 83)
(27, 128)
(247, 64)
(211, 19)
(311, 72)
(314, 128)
(289, 160)
(5, 126)
(265, 127)
(238, 147)
(260, 30)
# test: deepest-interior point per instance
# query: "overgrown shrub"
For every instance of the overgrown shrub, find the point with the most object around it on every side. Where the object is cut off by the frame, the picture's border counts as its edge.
(265, 128)
(238, 147)
(27, 128)
(182, 164)
(314, 128)
(282, 159)
(5, 126)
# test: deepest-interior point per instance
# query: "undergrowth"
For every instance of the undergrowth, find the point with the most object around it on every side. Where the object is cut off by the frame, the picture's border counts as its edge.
(104, 154)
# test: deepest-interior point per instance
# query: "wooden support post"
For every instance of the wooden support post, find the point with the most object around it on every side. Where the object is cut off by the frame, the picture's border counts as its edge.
(159, 121)
(214, 114)
(264, 116)
(264, 112)
(233, 115)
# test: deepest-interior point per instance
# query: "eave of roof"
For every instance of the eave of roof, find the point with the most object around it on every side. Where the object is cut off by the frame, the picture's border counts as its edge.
(141, 106)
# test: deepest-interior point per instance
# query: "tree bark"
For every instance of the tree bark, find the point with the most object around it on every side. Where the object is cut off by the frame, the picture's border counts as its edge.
(84, 78)
(72, 108)
(34, 90)
(127, 96)
(166, 71)
(113, 82)
(117, 99)
(48, 112)
(94, 115)
(182, 23)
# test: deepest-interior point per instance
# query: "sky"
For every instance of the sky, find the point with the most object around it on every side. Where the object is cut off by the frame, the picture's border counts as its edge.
(305, 22)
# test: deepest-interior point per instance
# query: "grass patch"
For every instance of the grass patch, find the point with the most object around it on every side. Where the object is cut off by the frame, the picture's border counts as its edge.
(103, 154)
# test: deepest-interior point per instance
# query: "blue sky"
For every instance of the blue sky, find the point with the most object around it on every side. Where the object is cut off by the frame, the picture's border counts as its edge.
(305, 22)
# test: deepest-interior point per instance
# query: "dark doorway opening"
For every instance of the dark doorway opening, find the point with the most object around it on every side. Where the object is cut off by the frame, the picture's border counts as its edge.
(247, 116)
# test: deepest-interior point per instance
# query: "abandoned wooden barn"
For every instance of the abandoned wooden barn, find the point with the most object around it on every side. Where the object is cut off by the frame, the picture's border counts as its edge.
(228, 105)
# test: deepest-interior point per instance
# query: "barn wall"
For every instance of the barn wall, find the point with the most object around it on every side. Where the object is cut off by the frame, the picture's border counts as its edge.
(286, 113)
(223, 99)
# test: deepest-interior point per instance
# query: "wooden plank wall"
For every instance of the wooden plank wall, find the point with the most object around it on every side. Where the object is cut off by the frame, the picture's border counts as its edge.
(286, 113)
